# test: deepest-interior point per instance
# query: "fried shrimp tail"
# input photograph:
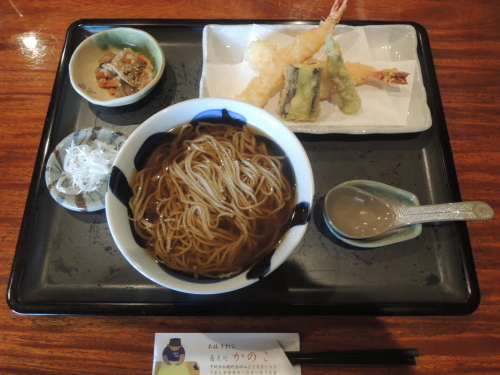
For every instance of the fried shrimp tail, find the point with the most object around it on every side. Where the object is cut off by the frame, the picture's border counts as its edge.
(309, 42)
(360, 73)
(306, 44)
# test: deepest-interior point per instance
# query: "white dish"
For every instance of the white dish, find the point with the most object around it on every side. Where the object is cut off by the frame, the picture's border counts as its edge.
(83, 202)
(224, 45)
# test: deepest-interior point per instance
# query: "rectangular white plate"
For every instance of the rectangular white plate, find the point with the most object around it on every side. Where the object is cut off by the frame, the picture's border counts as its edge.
(225, 45)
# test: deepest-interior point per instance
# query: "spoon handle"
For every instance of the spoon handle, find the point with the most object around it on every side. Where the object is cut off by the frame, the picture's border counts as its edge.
(443, 212)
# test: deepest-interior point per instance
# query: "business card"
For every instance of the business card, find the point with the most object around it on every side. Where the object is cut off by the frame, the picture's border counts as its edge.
(224, 353)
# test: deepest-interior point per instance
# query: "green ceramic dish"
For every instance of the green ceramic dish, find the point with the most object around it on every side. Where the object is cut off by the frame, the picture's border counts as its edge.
(389, 193)
(84, 62)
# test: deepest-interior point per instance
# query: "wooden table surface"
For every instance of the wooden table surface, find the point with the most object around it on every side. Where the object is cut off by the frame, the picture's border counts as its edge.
(464, 38)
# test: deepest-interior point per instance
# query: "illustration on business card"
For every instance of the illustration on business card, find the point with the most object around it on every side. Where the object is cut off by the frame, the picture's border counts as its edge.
(174, 360)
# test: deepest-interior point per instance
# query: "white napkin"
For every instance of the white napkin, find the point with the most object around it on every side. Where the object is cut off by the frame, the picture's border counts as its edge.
(382, 103)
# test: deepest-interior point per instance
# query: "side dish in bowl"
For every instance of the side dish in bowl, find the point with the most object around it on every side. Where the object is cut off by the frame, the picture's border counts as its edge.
(116, 67)
(209, 195)
(77, 170)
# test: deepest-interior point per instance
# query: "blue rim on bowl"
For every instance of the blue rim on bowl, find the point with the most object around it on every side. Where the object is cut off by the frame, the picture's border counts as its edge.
(83, 202)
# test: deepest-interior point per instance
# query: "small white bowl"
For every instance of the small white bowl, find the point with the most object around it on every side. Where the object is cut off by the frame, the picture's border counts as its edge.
(208, 109)
(84, 62)
(83, 202)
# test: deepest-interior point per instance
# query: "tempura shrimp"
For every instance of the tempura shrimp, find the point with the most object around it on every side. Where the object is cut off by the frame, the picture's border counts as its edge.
(261, 88)
(360, 73)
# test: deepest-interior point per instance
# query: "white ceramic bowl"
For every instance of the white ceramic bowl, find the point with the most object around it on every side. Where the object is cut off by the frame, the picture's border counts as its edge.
(182, 113)
(83, 202)
(84, 62)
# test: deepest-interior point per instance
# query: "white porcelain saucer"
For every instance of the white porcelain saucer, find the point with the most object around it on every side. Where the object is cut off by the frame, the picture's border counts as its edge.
(83, 202)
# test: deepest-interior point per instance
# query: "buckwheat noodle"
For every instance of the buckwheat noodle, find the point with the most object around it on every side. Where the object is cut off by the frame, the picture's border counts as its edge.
(212, 202)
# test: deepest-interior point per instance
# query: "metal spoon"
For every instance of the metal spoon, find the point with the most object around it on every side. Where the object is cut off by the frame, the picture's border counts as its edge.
(356, 213)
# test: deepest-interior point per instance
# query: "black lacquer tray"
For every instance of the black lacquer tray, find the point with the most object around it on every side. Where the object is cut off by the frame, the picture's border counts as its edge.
(67, 263)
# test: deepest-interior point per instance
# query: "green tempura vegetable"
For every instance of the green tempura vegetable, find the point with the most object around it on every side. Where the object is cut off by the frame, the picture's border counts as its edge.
(351, 102)
(300, 97)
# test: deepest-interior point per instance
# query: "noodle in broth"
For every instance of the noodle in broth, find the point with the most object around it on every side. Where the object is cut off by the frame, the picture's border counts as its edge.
(213, 201)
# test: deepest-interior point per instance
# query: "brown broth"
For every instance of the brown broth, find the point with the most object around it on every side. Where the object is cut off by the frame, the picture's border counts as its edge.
(269, 233)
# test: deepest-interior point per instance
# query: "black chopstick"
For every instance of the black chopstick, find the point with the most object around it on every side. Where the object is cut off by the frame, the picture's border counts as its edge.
(355, 357)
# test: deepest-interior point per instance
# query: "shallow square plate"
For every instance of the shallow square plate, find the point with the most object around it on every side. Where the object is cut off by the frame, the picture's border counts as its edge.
(225, 45)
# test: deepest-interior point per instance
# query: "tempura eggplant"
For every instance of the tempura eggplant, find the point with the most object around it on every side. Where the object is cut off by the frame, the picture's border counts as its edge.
(300, 97)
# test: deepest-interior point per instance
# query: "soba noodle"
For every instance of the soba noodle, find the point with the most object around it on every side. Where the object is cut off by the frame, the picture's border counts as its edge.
(213, 201)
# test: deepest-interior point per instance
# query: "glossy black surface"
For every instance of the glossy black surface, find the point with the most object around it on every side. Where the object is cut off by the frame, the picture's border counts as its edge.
(67, 263)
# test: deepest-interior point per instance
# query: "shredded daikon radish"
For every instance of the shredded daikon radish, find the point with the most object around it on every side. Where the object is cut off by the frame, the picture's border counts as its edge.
(86, 167)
